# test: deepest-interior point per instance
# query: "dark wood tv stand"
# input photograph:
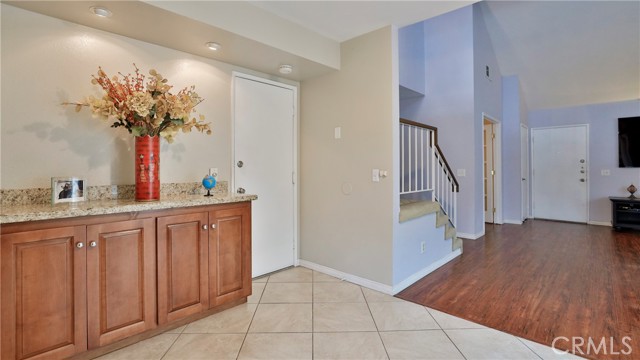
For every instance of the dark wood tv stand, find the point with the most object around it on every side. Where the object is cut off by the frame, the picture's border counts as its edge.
(625, 212)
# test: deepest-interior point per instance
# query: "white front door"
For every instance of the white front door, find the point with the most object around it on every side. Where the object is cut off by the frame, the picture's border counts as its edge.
(560, 171)
(264, 164)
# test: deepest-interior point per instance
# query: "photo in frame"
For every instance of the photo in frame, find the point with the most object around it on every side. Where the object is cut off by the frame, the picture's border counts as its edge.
(68, 189)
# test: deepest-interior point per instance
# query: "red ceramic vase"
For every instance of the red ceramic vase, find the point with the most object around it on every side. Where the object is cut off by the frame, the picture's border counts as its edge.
(147, 164)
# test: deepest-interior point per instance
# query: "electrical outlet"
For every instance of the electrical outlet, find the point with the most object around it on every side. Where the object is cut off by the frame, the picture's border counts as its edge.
(423, 246)
(213, 172)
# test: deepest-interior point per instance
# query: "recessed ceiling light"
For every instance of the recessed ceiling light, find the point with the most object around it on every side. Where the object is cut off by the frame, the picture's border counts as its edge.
(100, 11)
(213, 46)
(285, 69)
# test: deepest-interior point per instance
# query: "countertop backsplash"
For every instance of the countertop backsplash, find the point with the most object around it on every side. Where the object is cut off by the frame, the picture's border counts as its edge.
(38, 196)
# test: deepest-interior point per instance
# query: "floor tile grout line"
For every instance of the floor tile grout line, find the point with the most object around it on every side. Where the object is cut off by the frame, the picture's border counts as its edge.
(244, 339)
(374, 323)
(454, 343)
(528, 347)
(170, 346)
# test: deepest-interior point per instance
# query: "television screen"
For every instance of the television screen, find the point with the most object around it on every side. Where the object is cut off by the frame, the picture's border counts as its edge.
(629, 142)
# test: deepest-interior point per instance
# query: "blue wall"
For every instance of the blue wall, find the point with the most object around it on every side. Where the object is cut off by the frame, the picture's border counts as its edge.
(411, 57)
(514, 113)
(487, 100)
(449, 102)
(603, 149)
(457, 49)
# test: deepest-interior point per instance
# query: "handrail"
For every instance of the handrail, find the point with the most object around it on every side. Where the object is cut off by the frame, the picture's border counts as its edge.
(444, 162)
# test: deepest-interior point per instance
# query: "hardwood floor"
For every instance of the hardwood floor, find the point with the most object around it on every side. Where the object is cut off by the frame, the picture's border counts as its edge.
(543, 280)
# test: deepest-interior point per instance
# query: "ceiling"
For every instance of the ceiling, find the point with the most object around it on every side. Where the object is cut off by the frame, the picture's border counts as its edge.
(564, 52)
(568, 53)
(344, 20)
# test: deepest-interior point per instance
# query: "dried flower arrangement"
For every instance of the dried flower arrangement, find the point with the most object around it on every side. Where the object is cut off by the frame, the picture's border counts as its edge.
(145, 109)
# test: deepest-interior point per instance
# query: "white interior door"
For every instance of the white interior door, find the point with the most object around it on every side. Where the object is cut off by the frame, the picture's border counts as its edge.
(524, 170)
(489, 173)
(264, 164)
(560, 173)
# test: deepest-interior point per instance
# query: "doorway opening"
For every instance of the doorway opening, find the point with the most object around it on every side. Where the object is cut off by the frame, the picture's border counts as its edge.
(492, 170)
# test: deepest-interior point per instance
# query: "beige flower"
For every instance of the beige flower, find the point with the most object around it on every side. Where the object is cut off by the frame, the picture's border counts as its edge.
(141, 102)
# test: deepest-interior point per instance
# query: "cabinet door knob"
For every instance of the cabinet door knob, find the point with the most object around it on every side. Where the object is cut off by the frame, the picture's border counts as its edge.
(213, 226)
(204, 227)
(80, 245)
(93, 244)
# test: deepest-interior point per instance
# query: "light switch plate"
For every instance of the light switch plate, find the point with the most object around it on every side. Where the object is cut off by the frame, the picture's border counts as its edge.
(605, 172)
(375, 175)
(337, 133)
(461, 172)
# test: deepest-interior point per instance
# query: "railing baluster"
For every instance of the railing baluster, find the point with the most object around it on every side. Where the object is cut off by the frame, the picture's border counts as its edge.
(422, 168)
(422, 159)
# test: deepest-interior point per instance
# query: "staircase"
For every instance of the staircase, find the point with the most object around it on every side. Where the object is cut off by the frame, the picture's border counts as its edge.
(427, 183)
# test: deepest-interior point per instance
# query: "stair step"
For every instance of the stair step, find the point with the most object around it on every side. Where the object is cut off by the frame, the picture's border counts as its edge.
(441, 219)
(457, 243)
(450, 232)
(414, 209)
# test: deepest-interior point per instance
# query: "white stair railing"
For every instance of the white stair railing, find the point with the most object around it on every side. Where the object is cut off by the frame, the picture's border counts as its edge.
(423, 168)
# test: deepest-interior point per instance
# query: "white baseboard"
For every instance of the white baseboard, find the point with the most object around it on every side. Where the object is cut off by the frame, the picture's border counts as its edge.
(600, 223)
(515, 222)
(470, 236)
(373, 285)
(424, 272)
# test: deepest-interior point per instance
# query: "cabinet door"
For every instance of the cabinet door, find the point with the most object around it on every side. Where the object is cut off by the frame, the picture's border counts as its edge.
(183, 283)
(44, 293)
(229, 254)
(121, 280)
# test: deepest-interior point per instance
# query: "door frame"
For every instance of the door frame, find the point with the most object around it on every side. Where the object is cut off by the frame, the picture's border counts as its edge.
(525, 168)
(296, 148)
(532, 161)
(497, 165)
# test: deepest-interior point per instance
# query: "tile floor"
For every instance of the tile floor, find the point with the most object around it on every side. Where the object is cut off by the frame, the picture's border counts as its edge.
(303, 314)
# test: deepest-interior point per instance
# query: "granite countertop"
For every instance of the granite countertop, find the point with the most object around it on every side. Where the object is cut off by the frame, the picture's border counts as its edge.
(21, 213)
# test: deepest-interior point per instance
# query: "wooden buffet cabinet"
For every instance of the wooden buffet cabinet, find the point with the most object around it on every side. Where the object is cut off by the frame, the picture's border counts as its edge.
(77, 284)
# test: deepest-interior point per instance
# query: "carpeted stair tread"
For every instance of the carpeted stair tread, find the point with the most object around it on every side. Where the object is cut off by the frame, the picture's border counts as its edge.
(441, 219)
(411, 209)
(457, 243)
(450, 232)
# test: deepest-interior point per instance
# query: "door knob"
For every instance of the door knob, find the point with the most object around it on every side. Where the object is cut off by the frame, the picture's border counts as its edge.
(240, 190)
(240, 164)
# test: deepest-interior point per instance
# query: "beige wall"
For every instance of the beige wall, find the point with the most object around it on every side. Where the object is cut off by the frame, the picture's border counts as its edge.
(46, 61)
(352, 233)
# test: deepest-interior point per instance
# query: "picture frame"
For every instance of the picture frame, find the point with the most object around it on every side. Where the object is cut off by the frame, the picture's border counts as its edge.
(68, 189)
